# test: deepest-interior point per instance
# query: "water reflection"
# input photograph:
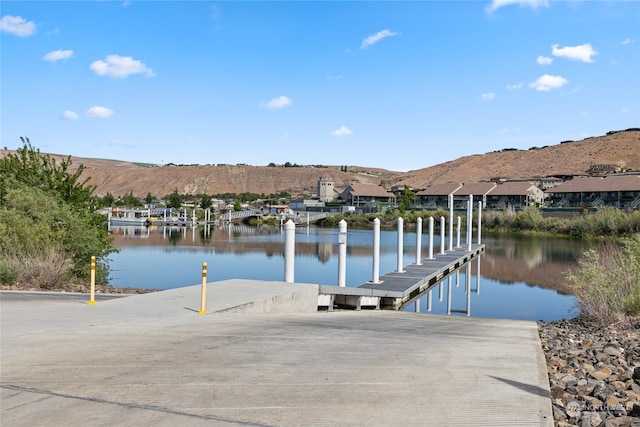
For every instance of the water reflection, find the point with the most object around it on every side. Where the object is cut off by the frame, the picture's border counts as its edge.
(536, 261)
(241, 239)
(522, 277)
(498, 300)
(454, 277)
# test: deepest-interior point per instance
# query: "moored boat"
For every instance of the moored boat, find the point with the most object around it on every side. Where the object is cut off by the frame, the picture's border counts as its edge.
(130, 217)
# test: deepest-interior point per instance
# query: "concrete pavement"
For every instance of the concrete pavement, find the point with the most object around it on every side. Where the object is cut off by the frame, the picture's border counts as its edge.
(263, 356)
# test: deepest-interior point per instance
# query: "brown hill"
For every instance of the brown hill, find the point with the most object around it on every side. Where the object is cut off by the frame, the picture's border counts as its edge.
(567, 158)
(120, 177)
(162, 180)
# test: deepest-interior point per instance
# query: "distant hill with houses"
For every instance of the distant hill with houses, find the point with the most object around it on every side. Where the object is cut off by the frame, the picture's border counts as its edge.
(614, 152)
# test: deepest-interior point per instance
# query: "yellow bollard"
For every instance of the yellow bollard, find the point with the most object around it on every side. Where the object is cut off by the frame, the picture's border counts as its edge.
(93, 281)
(203, 296)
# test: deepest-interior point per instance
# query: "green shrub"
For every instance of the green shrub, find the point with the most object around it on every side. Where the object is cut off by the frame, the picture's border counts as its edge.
(607, 281)
(34, 223)
(9, 270)
(29, 167)
(528, 219)
(607, 221)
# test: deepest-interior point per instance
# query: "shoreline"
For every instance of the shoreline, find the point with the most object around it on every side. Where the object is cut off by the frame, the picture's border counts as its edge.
(78, 288)
(594, 372)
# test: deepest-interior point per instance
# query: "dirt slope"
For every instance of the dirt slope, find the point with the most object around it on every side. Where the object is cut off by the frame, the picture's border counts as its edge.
(569, 158)
(163, 180)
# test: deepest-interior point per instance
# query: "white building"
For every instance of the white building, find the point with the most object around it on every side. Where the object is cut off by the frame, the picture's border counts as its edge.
(325, 189)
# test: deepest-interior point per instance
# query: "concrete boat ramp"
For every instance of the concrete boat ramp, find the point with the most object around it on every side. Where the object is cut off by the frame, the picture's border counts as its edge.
(263, 356)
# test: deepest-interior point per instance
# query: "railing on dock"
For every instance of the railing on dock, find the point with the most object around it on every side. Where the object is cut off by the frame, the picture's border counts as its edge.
(397, 289)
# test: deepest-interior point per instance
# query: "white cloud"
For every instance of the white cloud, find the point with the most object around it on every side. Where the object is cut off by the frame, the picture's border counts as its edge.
(70, 115)
(583, 53)
(546, 82)
(99, 112)
(488, 96)
(57, 55)
(279, 102)
(514, 86)
(371, 40)
(17, 25)
(628, 41)
(544, 60)
(533, 4)
(117, 66)
(342, 131)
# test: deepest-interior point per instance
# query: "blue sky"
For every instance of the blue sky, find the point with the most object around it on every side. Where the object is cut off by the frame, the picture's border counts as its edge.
(397, 85)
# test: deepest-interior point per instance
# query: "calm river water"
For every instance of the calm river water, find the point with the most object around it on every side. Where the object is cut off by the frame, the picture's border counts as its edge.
(520, 277)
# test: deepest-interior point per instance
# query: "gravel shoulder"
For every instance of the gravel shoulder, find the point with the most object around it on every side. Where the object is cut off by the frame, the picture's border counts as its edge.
(76, 288)
(594, 372)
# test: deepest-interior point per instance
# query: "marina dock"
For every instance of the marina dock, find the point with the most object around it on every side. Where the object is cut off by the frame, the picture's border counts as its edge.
(396, 289)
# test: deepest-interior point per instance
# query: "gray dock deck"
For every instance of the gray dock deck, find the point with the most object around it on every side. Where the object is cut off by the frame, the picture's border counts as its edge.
(396, 289)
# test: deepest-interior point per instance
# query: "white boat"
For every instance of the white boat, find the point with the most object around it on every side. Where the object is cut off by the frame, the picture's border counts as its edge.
(130, 217)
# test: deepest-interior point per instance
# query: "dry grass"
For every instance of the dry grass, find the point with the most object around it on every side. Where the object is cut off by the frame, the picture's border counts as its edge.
(607, 281)
(46, 271)
(120, 178)
(572, 158)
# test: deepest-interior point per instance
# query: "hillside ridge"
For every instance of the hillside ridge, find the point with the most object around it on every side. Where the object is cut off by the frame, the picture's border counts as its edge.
(621, 148)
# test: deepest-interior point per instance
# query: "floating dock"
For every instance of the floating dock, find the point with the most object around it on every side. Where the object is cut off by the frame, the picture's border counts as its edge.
(396, 289)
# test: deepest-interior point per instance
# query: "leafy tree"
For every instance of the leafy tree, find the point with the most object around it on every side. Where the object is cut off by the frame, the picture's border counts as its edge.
(248, 197)
(108, 200)
(27, 165)
(237, 206)
(406, 198)
(48, 226)
(131, 201)
(174, 200)
(149, 198)
(280, 195)
(205, 201)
